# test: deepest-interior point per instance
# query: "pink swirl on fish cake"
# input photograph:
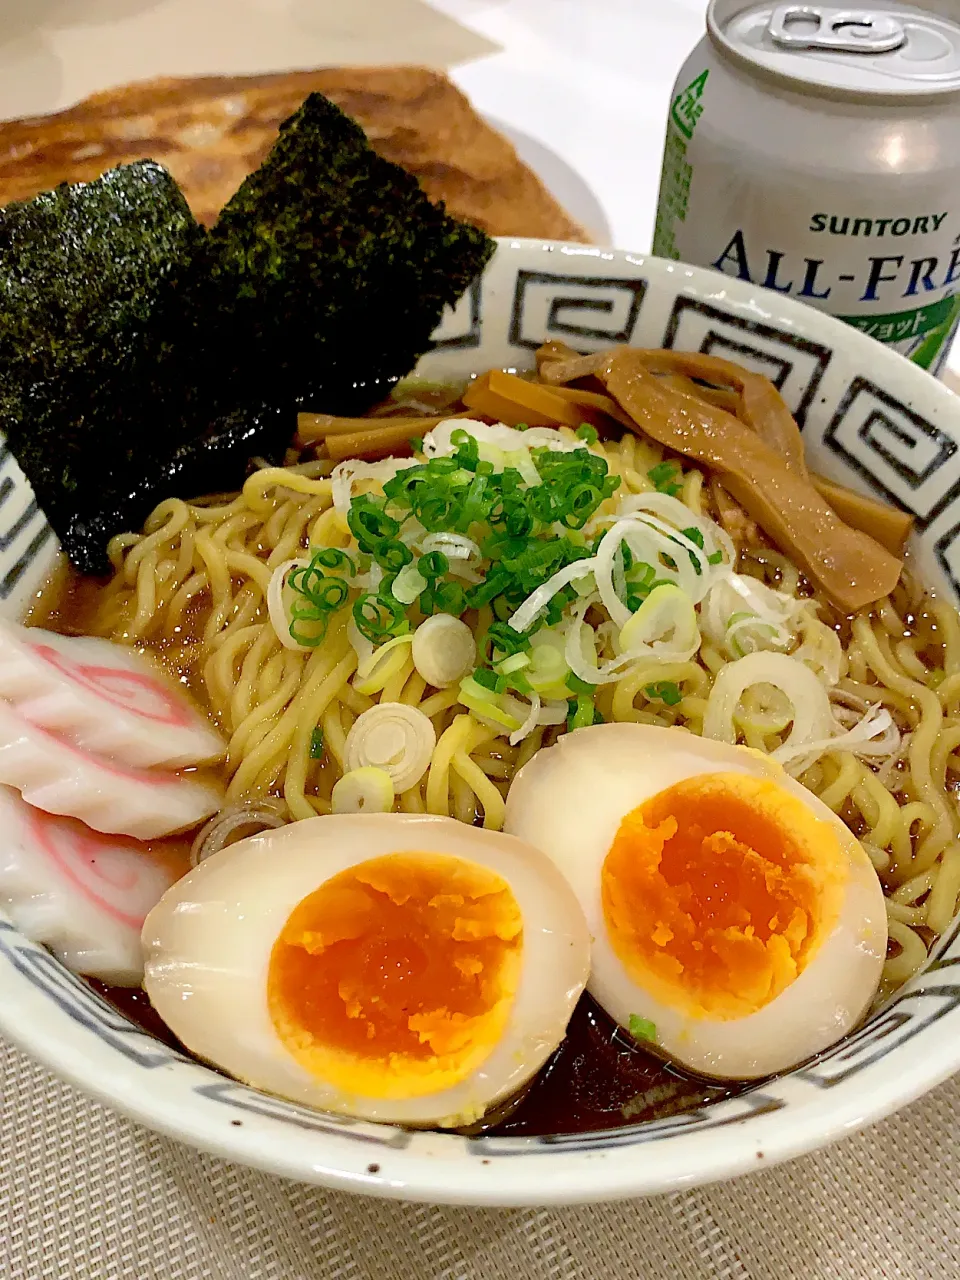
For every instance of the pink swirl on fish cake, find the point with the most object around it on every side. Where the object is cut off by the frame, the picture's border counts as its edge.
(144, 695)
(107, 870)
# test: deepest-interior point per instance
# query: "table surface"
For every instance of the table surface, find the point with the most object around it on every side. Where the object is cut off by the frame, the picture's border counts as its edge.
(583, 86)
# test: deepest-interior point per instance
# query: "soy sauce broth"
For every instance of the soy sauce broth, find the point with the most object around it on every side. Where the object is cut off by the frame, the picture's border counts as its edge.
(597, 1079)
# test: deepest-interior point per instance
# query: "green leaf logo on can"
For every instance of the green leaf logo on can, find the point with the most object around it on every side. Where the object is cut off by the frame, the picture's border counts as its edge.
(688, 106)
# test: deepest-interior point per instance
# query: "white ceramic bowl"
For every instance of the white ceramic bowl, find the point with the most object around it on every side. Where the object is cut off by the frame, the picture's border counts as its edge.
(872, 421)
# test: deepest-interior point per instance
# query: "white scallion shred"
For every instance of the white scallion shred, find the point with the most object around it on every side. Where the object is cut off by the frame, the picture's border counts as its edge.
(874, 737)
(663, 628)
(408, 584)
(537, 601)
(438, 443)
(815, 730)
(741, 616)
(345, 475)
(277, 604)
(455, 546)
(381, 665)
(530, 723)
(224, 828)
(811, 714)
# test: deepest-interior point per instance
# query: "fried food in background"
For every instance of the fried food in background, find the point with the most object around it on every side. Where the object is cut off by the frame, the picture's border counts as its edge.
(211, 131)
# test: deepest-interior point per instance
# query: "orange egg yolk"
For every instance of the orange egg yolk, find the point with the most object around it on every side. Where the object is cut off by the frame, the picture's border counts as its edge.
(396, 978)
(717, 891)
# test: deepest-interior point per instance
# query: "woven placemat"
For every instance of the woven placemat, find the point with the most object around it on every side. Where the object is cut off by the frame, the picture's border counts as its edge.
(87, 1195)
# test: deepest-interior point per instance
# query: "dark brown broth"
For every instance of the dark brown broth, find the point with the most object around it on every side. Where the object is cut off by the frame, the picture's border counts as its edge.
(135, 1005)
(67, 603)
(600, 1078)
(597, 1079)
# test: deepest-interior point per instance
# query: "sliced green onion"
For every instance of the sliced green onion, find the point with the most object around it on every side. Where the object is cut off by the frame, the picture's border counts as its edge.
(497, 580)
(433, 565)
(587, 433)
(473, 507)
(581, 712)
(437, 509)
(443, 597)
(483, 702)
(516, 662)
(548, 668)
(316, 744)
(392, 555)
(408, 584)
(311, 636)
(364, 790)
(315, 598)
(580, 505)
(642, 1029)
(325, 596)
(517, 681)
(503, 637)
(519, 522)
(576, 685)
(664, 691)
(333, 558)
(664, 478)
(379, 618)
(370, 524)
(467, 450)
(640, 574)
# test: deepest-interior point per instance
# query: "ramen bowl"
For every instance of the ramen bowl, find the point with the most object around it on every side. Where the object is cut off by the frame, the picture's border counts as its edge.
(871, 421)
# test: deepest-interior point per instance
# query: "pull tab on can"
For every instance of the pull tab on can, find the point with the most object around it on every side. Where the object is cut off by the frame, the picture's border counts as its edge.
(813, 26)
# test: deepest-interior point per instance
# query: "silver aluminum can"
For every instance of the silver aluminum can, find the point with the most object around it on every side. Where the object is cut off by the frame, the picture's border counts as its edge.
(815, 151)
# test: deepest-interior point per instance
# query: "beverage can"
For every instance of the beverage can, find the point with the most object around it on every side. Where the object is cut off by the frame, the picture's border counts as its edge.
(815, 151)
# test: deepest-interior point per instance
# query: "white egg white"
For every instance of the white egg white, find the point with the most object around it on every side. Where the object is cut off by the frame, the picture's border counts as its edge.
(208, 943)
(570, 799)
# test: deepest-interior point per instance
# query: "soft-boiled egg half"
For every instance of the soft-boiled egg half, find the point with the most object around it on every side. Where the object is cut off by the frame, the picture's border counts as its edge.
(737, 923)
(393, 967)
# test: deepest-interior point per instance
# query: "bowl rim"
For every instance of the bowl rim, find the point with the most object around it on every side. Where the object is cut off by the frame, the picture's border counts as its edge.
(759, 1138)
(422, 1168)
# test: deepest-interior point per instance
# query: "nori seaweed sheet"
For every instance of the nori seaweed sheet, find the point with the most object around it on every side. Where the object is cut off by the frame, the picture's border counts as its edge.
(103, 394)
(141, 357)
(333, 268)
(89, 307)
